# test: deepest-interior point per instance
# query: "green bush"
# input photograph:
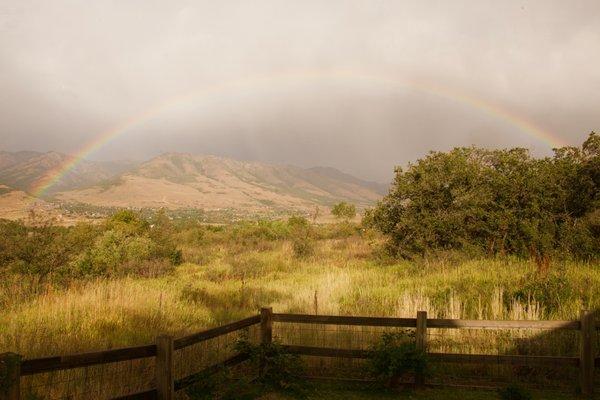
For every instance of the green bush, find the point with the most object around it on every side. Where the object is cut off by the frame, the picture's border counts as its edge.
(298, 222)
(394, 355)
(301, 232)
(125, 244)
(303, 247)
(41, 250)
(343, 211)
(279, 369)
(176, 257)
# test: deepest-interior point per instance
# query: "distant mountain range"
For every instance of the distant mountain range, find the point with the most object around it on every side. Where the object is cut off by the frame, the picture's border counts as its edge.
(183, 181)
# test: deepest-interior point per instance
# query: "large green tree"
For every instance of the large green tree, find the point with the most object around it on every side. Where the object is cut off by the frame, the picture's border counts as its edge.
(496, 201)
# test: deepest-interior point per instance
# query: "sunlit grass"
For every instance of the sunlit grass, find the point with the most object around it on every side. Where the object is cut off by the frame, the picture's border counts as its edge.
(342, 277)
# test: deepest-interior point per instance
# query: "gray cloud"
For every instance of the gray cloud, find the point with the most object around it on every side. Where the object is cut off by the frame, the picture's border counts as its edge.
(283, 81)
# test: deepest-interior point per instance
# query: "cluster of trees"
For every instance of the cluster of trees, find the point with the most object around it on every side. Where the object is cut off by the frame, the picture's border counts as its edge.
(124, 244)
(496, 202)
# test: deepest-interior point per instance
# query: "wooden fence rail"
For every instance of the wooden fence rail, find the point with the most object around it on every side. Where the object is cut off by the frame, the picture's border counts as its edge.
(162, 351)
(586, 360)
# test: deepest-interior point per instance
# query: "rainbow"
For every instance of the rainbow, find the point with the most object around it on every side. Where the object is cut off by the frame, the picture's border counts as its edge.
(519, 121)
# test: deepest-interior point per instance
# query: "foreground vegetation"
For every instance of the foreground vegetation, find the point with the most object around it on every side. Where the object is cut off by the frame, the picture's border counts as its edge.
(227, 272)
(466, 234)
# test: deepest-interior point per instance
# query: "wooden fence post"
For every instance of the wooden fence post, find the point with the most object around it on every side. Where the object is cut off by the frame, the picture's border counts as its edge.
(165, 387)
(10, 376)
(586, 356)
(421, 339)
(266, 325)
(266, 333)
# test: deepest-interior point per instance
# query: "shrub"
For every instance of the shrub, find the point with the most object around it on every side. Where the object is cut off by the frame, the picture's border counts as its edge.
(343, 211)
(303, 247)
(176, 257)
(128, 246)
(394, 355)
(514, 392)
(300, 233)
(128, 222)
(297, 222)
(279, 369)
(41, 250)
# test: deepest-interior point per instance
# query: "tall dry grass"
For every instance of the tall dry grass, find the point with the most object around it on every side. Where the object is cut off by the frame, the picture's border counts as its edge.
(342, 276)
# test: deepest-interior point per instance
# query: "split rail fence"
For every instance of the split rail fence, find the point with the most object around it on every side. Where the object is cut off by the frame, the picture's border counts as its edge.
(169, 369)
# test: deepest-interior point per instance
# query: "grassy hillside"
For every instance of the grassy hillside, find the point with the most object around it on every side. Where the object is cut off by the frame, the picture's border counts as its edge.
(26, 169)
(179, 181)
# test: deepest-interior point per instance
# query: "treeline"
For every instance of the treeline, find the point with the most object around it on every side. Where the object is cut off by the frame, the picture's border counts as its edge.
(131, 243)
(496, 202)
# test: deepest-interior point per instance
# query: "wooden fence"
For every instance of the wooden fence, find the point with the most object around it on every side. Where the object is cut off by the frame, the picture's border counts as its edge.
(162, 351)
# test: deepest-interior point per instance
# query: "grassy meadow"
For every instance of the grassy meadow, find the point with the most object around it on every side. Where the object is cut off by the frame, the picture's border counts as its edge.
(229, 272)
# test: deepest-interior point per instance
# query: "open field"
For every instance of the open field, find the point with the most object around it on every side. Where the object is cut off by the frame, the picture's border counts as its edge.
(229, 276)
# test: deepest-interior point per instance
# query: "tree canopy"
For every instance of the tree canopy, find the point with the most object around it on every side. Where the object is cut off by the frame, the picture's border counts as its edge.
(496, 201)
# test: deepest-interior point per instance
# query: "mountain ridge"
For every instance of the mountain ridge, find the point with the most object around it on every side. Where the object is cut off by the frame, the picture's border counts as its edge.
(26, 170)
(185, 180)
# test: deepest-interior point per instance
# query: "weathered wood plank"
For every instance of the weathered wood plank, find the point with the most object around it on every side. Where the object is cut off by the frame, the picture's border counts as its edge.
(10, 381)
(165, 389)
(587, 354)
(218, 331)
(56, 363)
(266, 325)
(266, 334)
(48, 364)
(444, 357)
(328, 352)
(421, 342)
(431, 323)
(490, 324)
(345, 320)
(548, 361)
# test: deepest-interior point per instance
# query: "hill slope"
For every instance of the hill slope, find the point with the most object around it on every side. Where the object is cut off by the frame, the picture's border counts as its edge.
(178, 181)
(24, 170)
(16, 204)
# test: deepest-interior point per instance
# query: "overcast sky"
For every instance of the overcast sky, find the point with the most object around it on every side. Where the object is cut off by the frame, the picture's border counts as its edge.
(301, 82)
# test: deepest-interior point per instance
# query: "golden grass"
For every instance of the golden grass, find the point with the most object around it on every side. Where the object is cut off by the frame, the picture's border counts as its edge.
(342, 277)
